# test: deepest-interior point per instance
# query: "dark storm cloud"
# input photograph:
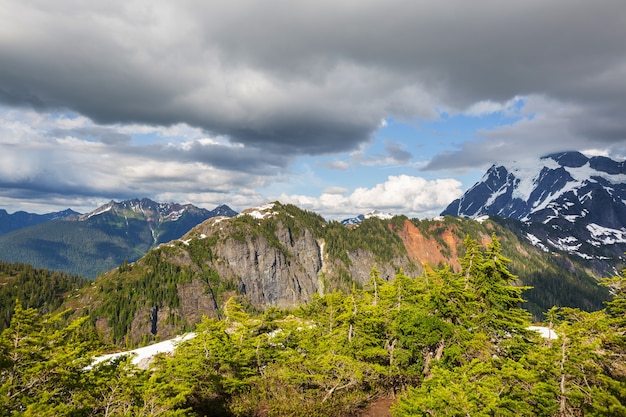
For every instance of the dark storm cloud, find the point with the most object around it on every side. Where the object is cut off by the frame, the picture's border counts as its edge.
(250, 160)
(312, 77)
(91, 164)
(36, 188)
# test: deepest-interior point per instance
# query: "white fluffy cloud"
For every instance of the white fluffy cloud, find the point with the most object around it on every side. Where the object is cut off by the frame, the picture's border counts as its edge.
(402, 194)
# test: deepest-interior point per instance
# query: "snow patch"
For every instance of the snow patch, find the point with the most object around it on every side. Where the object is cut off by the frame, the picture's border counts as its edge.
(261, 212)
(355, 221)
(535, 241)
(545, 332)
(218, 219)
(175, 215)
(481, 219)
(494, 196)
(104, 210)
(605, 235)
(527, 174)
(548, 201)
(585, 172)
(567, 244)
(143, 355)
(572, 218)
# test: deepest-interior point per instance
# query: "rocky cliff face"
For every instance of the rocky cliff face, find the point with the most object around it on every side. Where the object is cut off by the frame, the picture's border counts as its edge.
(268, 256)
(287, 267)
(267, 274)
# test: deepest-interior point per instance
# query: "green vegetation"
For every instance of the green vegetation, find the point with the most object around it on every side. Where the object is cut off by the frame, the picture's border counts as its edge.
(446, 343)
(36, 288)
(554, 280)
(372, 235)
(152, 284)
(43, 373)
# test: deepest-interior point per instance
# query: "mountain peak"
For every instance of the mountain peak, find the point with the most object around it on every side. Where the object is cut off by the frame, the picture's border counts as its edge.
(569, 159)
(573, 194)
(102, 239)
(223, 210)
(374, 213)
(143, 208)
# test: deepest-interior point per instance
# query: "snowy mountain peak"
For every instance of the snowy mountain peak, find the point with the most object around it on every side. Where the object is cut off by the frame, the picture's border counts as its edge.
(156, 213)
(223, 210)
(575, 195)
(554, 186)
(374, 213)
(379, 214)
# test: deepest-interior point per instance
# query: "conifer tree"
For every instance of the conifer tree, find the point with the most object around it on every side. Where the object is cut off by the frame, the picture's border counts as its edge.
(502, 298)
(41, 371)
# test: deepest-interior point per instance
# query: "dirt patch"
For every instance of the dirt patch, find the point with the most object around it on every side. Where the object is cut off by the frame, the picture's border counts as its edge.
(381, 407)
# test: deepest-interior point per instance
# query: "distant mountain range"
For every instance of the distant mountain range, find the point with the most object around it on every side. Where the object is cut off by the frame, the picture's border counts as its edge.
(95, 242)
(21, 219)
(565, 202)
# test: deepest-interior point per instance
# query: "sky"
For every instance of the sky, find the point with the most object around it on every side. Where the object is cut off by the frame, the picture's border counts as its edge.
(340, 107)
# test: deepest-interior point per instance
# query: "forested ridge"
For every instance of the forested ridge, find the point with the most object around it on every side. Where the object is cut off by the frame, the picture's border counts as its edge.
(442, 343)
(38, 288)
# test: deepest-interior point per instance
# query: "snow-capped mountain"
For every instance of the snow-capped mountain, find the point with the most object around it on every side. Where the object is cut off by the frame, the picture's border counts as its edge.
(158, 213)
(358, 219)
(261, 212)
(150, 210)
(568, 202)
